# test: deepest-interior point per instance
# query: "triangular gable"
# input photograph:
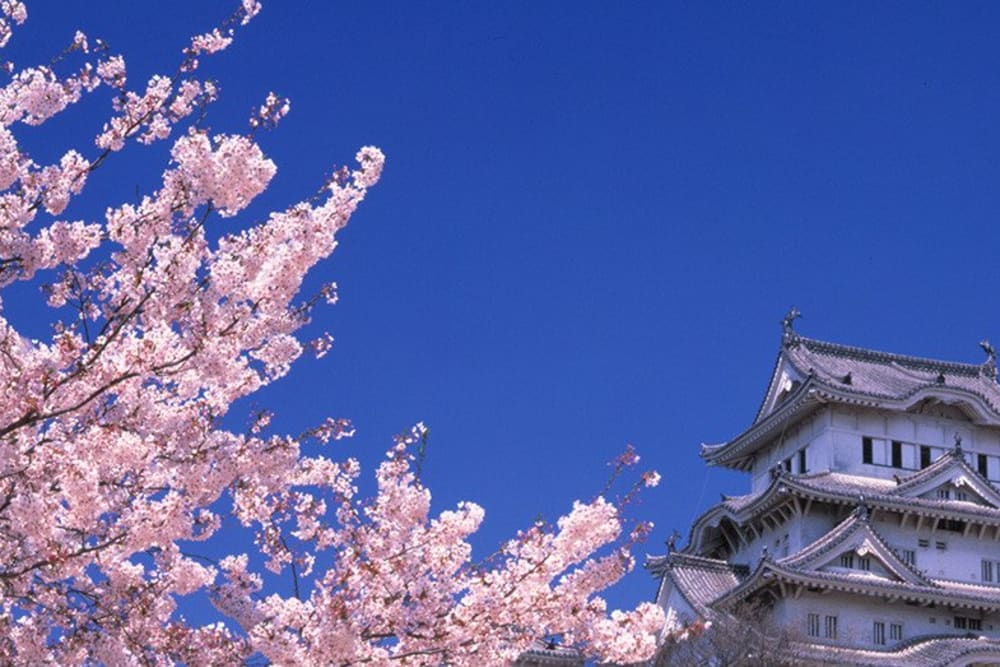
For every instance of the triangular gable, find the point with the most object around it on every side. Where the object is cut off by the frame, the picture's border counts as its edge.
(952, 474)
(785, 379)
(869, 554)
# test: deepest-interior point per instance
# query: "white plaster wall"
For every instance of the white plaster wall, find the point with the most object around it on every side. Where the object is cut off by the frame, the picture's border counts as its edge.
(678, 612)
(810, 433)
(962, 558)
(856, 616)
(846, 426)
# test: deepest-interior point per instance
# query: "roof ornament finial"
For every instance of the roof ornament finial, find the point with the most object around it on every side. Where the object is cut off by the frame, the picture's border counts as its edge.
(764, 554)
(957, 449)
(788, 336)
(862, 511)
(672, 541)
(989, 367)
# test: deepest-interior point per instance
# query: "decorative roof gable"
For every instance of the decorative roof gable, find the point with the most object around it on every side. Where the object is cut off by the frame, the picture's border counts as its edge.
(949, 472)
(855, 537)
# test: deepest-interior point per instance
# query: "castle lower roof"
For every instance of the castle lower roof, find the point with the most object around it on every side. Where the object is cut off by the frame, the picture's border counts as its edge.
(902, 581)
(699, 580)
(925, 651)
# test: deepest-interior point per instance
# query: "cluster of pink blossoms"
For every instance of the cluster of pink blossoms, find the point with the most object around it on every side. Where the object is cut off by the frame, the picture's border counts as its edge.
(112, 456)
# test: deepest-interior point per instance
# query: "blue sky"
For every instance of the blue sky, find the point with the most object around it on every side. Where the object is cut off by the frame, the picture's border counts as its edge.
(594, 215)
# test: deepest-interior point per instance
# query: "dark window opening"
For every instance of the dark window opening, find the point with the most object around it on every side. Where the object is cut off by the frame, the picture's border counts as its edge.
(866, 449)
(897, 454)
(953, 525)
(983, 468)
(966, 623)
(925, 456)
(802, 461)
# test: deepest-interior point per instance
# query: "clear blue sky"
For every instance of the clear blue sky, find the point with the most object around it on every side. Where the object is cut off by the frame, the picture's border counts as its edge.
(594, 215)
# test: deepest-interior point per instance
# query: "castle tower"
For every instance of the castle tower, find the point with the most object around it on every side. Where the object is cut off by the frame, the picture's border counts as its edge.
(871, 532)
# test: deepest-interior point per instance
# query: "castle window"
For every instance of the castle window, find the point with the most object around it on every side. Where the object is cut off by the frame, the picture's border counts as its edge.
(940, 546)
(830, 627)
(847, 560)
(894, 453)
(895, 631)
(812, 625)
(864, 563)
(908, 556)
(924, 543)
(944, 494)
(925, 457)
(961, 495)
(788, 464)
(966, 623)
(802, 461)
(878, 633)
(983, 464)
(952, 525)
(991, 571)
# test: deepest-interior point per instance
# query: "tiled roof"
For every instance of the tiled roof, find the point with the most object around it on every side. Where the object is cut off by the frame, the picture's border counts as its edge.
(877, 493)
(699, 580)
(950, 467)
(913, 585)
(854, 531)
(887, 375)
(926, 651)
(543, 653)
(829, 372)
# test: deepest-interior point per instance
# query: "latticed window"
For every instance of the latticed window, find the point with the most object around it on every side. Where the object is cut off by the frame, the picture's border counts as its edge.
(864, 563)
(895, 632)
(812, 625)
(830, 627)
(847, 560)
(966, 623)
(878, 633)
(987, 570)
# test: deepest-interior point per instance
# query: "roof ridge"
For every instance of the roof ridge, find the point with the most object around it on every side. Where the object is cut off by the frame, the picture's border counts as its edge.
(869, 354)
(841, 533)
(703, 561)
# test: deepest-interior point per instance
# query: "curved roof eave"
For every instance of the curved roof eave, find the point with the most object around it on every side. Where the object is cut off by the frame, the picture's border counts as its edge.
(814, 392)
(768, 571)
(733, 452)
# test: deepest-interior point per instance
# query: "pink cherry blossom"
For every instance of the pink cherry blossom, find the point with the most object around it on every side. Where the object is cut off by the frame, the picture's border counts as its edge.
(112, 452)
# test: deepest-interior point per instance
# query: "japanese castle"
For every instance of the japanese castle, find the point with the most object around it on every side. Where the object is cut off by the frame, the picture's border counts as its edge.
(871, 533)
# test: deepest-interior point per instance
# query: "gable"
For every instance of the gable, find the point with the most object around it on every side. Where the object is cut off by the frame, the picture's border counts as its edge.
(934, 407)
(854, 549)
(950, 478)
(960, 489)
(784, 381)
(864, 558)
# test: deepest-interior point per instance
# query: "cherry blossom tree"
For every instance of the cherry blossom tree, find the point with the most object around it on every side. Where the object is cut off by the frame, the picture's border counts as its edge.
(114, 459)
